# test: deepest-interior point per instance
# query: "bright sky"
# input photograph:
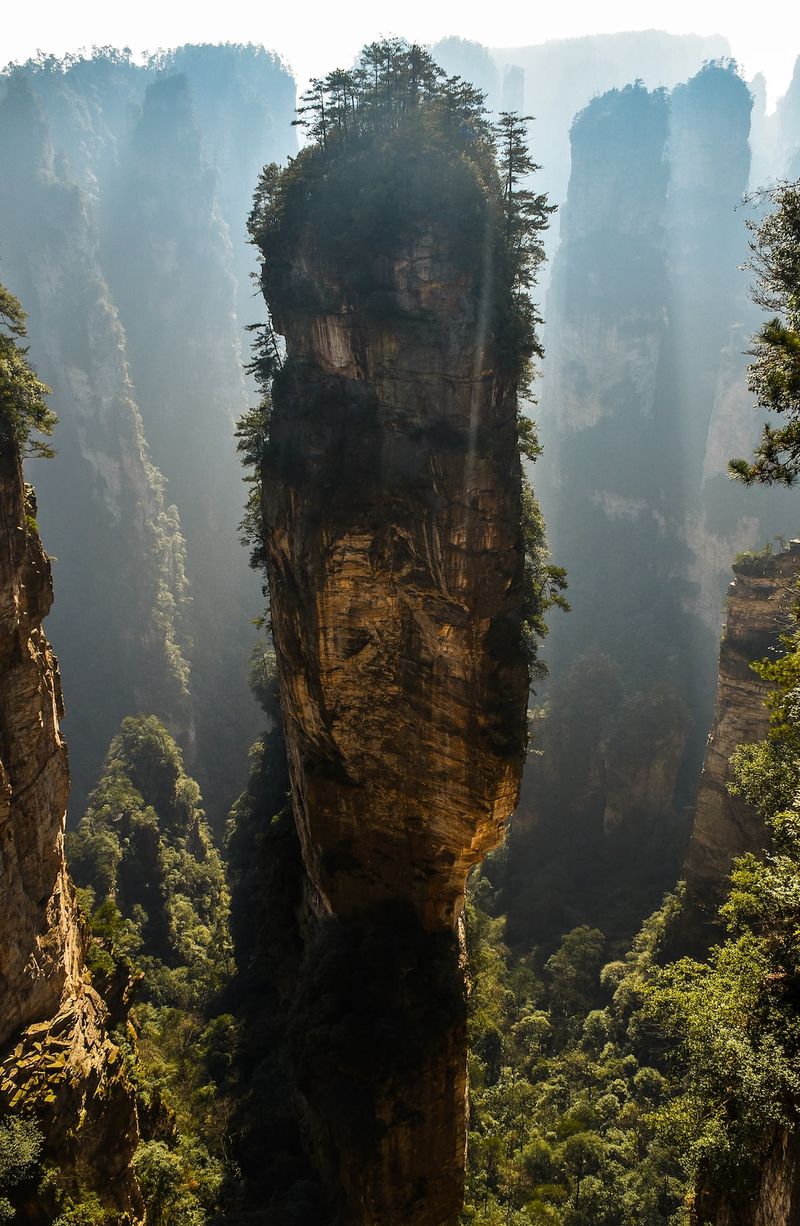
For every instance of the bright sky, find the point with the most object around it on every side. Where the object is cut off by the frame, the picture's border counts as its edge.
(314, 36)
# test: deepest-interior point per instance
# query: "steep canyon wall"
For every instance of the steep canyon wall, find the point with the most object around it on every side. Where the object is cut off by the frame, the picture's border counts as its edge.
(57, 1063)
(761, 602)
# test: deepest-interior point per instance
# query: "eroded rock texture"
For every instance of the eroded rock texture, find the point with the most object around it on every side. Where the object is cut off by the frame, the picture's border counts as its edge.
(56, 1060)
(392, 509)
(776, 1201)
(760, 603)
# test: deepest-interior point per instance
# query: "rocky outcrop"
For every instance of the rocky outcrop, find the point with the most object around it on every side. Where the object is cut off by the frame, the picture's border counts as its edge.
(776, 1201)
(760, 604)
(392, 530)
(56, 1060)
(395, 566)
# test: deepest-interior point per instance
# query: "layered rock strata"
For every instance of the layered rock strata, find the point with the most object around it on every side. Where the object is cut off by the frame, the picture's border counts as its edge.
(760, 604)
(56, 1060)
(395, 563)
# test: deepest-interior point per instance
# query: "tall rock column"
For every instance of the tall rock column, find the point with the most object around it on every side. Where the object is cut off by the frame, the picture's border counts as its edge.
(395, 567)
(56, 1060)
(392, 506)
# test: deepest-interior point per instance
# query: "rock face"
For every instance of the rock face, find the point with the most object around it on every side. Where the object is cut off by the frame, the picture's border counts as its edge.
(55, 1057)
(776, 1201)
(41, 942)
(760, 603)
(395, 562)
(395, 566)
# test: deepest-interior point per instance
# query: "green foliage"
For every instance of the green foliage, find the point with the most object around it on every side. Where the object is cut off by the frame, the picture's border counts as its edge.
(21, 1144)
(565, 1083)
(154, 887)
(573, 971)
(545, 583)
(173, 1185)
(157, 882)
(86, 1211)
(23, 409)
(734, 1021)
(252, 431)
(775, 371)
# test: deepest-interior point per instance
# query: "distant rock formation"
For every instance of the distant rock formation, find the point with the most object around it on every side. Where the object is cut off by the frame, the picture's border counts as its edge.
(639, 386)
(118, 542)
(124, 232)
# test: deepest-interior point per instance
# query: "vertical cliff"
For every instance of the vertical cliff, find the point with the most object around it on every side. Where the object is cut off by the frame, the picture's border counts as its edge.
(760, 603)
(56, 1060)
(392, 536)
(646, 291)
(394, 569)
(392, 524)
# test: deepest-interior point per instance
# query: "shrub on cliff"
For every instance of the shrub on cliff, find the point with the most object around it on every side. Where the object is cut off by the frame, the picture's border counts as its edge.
(23, 410)
(775, 371)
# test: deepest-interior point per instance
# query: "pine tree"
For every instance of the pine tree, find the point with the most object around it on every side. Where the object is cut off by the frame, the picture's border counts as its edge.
(23, 409)
(775, 372)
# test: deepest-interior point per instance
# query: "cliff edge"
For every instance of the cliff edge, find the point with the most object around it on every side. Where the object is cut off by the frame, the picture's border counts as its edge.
(57, 1063)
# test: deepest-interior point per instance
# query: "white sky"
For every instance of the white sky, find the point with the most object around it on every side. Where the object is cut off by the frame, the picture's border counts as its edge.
(314, 36)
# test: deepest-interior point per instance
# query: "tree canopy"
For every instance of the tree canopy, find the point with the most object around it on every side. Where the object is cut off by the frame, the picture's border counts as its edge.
(395, 143)
(775, 371)
(23, 409)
